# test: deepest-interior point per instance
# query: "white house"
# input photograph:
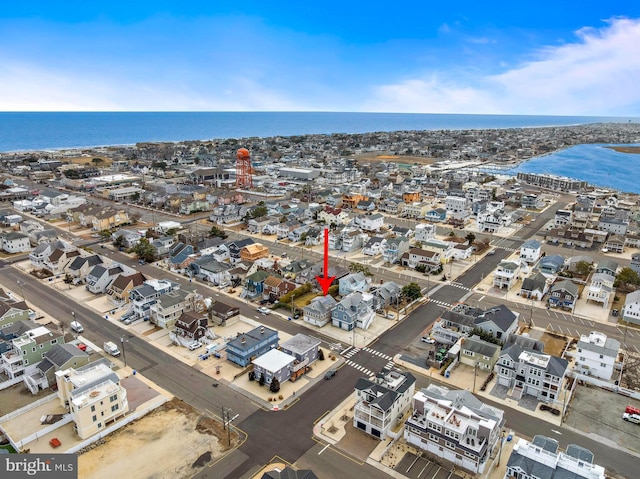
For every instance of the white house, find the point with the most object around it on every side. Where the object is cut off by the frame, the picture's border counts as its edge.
(381, 402)
(425, 232)
(506, 275)
(370, 222)
(457, 207)
(601, 288)
(15, 242)
(374, 246)
(596, 355)
(631, 311)
(530, 251)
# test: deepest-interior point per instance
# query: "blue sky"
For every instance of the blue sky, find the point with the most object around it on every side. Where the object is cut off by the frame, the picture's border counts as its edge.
(561, 57)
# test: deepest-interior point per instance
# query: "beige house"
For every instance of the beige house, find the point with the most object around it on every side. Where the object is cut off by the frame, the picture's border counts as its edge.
(254, 252)
(93, 395)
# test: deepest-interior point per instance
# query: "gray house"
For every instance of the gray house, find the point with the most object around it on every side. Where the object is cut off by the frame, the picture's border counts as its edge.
(354, 311)
(318, 311)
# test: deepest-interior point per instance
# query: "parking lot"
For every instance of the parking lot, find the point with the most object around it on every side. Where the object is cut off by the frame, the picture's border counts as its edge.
(420, 467)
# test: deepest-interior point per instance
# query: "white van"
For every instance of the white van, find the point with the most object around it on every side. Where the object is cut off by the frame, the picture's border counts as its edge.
(111, 348)
(77, 327)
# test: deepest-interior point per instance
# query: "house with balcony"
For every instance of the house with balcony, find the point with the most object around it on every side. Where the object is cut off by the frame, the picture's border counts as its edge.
(81, 266)
(333, 216)
(455, 323)
(615, 243)
(169, 307)
(562, 218)
(296, 235)
(254, 283)
(374, 246)
(455, 426)
(189, 328)
(275, 287)
(395, 248)
(424, 232)
(246, 346)
(101, 277)
(532, 201)
(163, 245)
(351, 200)
(120, 289)
(415, 210)
(382, 402)
(354, 311)
(596, 355)
(397, 230)
(478, 353)
(15, 242)
(600, 289)
(130, 237)
(108, 219)
(564, 294)
(415, 257)
(529, 372)
(144, 296)
(59, 357)
(445, 249)
(12, 311)
(274, 364)
(437, 215)
(352, 239)
(235, 247)
(304, 349)
(530, 251)
(540, 459)
(28, 350)
(369, 222)
(607, 266)
(613, 224)
(458, 208)
(93, 395)
(506, 275)
(59, 259)
(318, 311)
(394, 206)
(386, 295)
(631, 309)
(354, 282)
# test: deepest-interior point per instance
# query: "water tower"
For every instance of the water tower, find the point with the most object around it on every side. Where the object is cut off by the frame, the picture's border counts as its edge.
(243, 169)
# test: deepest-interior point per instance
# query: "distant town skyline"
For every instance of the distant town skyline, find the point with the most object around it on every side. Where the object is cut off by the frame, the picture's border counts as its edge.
(536, 58)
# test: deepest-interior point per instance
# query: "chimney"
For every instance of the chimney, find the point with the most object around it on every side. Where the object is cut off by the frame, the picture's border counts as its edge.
(243, 340)
(262, 330)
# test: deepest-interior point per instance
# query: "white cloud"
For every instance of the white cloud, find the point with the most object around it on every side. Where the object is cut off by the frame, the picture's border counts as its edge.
(595, 75)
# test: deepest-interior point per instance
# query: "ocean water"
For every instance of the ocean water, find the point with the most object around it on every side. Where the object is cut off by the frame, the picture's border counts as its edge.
(594, 163)
(43, 131)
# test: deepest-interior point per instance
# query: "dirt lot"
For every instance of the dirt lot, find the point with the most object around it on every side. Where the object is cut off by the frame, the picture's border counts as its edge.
(174, 441)
(553, 344)
(18, 396)
(409, 160)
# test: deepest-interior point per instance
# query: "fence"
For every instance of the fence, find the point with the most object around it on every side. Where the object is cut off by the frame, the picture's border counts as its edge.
(29, 407)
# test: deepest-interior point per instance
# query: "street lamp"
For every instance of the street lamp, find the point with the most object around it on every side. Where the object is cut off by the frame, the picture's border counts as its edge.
(21, 286)
(475, 374)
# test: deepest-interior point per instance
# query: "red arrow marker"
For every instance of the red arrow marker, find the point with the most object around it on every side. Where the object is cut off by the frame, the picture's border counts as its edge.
(325, 282)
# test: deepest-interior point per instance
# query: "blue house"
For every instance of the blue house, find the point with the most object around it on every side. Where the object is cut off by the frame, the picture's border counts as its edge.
(439, 215)
(551, 264)
(251, 345)
(179, 253)
(254, 285)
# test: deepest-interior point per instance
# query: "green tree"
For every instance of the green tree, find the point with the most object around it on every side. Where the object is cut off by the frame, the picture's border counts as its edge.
(145, 251)
(97, 161)
(470, 238)
(274, 387)
(119, 241)
(261, 380)
(160, 165)
(627, 276)
(360, 268)
(411, 291)
(583, 268)
(105, 234)
(259, 211)
(218, 232)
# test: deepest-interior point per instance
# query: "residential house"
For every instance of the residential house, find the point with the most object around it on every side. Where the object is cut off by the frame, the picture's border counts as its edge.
(223, 311)
(395, 248)
(275, 287)
(254, 284)
(540, 459)
(613, 225)
(211, 270)
(354, 282)
(15, 242)
(120, 289)
(284, 229)
(40, 255)
(382, 402)
(374, 246)
(100, 277)
(235, 247)
(415, 257)
(370, 222)
(12, 312)
(394, 206)
(164, 245)
(454, 425)
(457, 207)
(59, 357)
(532, 202)
(81, 266)
(530, 251)
(635, 262)
(351, 200)
(28, 350)
(254, 252)
(416, 210)
(333, 216)
(366, 205)
(535, 286)
(59, 259)
(397, 230)
(600, 289)
(386, 295)
(130, 237)
(631, 309)
(318, 311)
(615, 243)
(180, 256)
(189, 328)
(108, 219)
(257, 225)
(304, 349)
(551, 264)
(144, 296)
(293, 270)
(296, 235)
(274, 364)
(498, 321)
(314, 236)
(571, 264)
(529, 372)
(244, 347)
(563, 218)
(607, 266)
(443, 248)
(462, 251)
(437, 215)
(478, 353)
(564, 294)
(354, 311)
(424, 232)
(94, 396)
(506, 275)
(597, 355)
(352, 239)
(170, 306)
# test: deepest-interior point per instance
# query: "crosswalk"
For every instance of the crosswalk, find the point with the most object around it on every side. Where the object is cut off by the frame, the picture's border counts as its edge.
(362, 369)
(459, 285)
(437, 302)
(379, 354)
(353, 351)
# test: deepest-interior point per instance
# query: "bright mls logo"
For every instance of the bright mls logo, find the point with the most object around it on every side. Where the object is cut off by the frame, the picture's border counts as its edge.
(53, 466)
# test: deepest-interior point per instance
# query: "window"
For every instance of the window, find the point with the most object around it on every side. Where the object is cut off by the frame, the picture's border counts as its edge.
(450, 445)
(113, 398)
(93, 408)
(94, 418)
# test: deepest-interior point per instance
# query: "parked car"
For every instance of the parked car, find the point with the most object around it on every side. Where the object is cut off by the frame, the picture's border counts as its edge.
(195, 345)
(77, 327)
(552, 410)
(330, 373)
(634, 418)
(428, 340)
(491, 253)
(263, 310)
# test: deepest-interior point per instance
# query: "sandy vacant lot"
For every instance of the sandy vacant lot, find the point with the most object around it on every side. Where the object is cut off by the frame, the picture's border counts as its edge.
(174, 441)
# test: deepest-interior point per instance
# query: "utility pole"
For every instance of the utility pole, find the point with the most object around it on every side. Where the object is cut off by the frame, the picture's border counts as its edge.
(475, 370)
(124, 356)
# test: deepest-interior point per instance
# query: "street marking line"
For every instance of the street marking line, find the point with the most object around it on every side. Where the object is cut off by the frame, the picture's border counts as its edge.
(320, 417)
(323, 449)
